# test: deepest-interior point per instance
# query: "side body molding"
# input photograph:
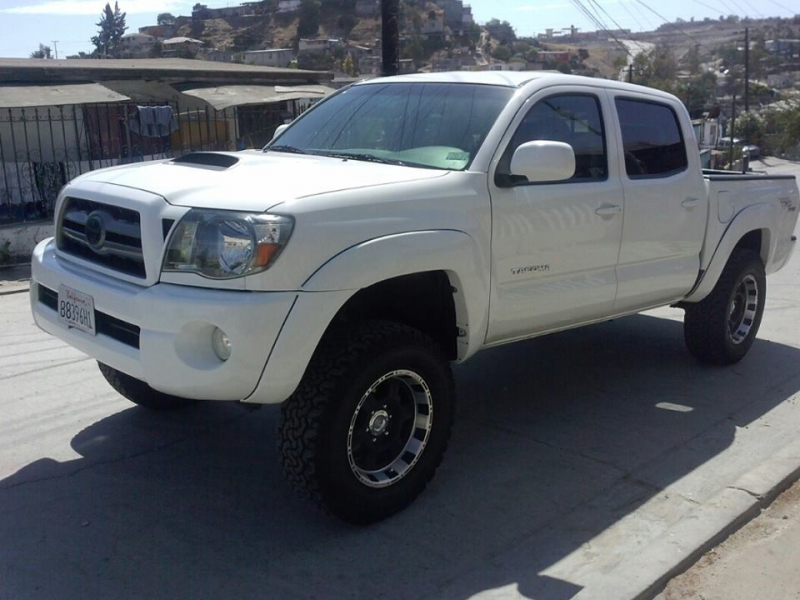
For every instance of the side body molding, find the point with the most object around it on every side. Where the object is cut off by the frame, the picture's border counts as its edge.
(758, 216)
(334, 283)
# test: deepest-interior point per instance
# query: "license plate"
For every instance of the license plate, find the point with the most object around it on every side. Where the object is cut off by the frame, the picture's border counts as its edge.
(76, 309)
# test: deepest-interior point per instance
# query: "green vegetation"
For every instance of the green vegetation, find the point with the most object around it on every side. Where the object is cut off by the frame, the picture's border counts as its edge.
(112, 28)
(309, 18)
(42, 52)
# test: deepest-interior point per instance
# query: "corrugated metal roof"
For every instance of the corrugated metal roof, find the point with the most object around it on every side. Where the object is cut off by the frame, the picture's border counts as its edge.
(225, 96)
(29, 96)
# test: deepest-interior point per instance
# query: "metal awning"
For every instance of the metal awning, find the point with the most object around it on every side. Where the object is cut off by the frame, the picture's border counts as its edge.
(225, 96)
(31, 96)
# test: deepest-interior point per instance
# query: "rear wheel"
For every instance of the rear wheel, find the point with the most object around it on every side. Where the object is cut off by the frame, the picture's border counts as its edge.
(139, 392)
(369, 424)
(721, 328)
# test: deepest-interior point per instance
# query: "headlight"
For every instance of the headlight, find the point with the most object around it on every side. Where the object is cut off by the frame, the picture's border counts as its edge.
(223, 244)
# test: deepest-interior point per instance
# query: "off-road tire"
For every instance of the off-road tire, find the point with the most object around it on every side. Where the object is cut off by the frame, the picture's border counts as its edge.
(139, 392)
(706, 323)
(313, 433)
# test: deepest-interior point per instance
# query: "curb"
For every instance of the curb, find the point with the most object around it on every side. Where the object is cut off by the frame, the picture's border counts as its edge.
(699, 530)
(743, 501)
(15, 290)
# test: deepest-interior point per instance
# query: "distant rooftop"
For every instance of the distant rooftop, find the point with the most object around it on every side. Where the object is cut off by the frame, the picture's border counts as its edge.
(47, 71)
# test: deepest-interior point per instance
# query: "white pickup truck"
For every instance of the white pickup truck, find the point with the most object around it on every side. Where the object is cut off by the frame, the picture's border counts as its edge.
(399, 226)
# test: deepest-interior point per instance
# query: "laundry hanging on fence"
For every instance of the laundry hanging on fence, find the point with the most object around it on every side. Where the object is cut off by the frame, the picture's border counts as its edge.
(153, 121)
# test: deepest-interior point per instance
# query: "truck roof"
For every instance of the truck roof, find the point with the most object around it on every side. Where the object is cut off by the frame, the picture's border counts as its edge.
(514, 79)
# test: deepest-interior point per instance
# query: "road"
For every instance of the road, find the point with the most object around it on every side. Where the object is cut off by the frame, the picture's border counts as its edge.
(582, 464)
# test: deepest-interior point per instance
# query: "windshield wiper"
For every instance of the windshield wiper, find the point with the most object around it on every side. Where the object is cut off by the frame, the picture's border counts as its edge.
(363, 156)
(287, 149)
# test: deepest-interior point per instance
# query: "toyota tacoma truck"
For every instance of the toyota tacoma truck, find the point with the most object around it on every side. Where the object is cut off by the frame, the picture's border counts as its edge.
(399, 226)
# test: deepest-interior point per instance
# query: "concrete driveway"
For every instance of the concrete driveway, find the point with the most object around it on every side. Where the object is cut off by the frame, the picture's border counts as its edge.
(592, 463)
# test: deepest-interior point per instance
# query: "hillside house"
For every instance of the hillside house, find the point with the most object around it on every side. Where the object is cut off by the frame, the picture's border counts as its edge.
(177, 45)
(273, 57)
(288, 6)
(316, 45)
(136, 45)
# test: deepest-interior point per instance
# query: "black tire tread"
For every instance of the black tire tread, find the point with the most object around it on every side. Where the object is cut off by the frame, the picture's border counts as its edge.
(302, 414)
(705, 321)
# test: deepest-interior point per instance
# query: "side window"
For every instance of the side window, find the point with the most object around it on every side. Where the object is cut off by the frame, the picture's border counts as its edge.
(651, 139)
(571, 118)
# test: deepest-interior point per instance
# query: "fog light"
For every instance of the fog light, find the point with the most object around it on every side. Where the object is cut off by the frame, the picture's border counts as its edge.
(221, 343)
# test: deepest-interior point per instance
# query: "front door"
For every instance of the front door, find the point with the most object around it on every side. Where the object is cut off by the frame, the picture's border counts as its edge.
(555, 245)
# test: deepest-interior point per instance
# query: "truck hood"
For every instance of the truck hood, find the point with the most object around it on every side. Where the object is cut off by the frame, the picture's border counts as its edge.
(257, 181)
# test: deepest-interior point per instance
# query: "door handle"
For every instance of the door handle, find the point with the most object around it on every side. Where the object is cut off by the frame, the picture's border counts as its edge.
(608, 210)
(690, 203)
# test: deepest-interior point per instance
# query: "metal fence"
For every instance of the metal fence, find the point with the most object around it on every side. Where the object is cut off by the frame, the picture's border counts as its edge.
(41, 149)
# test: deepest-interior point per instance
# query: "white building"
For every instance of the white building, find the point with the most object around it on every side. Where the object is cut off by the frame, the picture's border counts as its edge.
(288, 6)
(274, 57)
(308, 45)
(136, 45)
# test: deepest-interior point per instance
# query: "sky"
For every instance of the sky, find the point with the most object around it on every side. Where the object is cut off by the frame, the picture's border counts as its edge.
(26, 23)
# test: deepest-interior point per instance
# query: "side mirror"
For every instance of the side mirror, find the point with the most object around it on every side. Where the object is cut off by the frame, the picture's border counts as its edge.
(280, 130)
(543, 160)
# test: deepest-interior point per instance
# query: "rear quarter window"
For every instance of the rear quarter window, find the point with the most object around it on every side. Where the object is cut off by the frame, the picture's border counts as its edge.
(651, 139)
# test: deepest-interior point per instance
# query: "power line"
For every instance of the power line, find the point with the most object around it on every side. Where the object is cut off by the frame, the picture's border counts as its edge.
(600, 26)
(619, 28)
(779, 5)
(747, 2)
(639, 23)
(643, 15)
(708, 6)
(669, 23)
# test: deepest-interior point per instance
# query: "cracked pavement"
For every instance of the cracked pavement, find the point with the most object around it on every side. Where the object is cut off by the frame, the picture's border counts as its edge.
(588, 463)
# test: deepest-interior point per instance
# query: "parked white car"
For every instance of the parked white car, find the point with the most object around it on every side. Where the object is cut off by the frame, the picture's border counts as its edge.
(401, 225)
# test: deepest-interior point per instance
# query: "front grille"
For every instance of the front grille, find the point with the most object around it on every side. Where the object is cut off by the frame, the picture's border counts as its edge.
(113, 238)
(122, 331)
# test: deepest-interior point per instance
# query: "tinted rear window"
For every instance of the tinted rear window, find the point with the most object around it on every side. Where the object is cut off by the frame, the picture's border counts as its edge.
(651, 139)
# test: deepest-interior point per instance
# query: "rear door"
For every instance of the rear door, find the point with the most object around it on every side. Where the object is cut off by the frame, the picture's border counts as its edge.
(666, 202)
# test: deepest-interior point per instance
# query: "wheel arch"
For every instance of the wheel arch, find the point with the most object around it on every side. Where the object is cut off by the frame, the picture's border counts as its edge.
(436, 281)
(751, 229)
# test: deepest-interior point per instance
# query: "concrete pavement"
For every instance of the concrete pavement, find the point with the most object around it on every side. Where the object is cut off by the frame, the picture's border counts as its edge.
(592, 463)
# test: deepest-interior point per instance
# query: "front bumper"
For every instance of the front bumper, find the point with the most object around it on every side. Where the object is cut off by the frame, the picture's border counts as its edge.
(175, 325)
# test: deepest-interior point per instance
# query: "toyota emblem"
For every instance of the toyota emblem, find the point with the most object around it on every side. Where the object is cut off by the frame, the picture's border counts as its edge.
(95, 230)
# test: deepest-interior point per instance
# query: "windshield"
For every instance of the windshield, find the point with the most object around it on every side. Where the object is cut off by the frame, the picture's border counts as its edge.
(435, 125)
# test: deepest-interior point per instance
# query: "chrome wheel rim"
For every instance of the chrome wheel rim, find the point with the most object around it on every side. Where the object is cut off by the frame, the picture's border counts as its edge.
(390, 428)
(742, 310)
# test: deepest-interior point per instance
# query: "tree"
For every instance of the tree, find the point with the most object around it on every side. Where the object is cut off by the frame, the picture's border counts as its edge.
(112, 27)
(309, 18)
(165, 20)
(42, 52)
(348, 66)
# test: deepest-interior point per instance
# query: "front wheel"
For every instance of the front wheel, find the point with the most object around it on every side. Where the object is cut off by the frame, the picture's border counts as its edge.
(721, 328)
(369, 424)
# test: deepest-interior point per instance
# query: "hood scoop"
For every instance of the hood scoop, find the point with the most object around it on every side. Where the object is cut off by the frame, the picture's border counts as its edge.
(207, 159)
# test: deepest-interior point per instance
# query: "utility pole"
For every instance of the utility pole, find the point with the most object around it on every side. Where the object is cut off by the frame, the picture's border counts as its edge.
(746, 69)
(55, 47)
(390, 32)
(630, 73)
(733, 128)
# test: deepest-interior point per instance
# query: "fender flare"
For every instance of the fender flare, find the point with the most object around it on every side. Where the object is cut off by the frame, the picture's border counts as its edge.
(387, 257)
(760, 216)
(365, 264)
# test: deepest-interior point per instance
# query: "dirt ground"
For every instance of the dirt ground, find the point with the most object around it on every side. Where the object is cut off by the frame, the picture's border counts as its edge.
(758, 561)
